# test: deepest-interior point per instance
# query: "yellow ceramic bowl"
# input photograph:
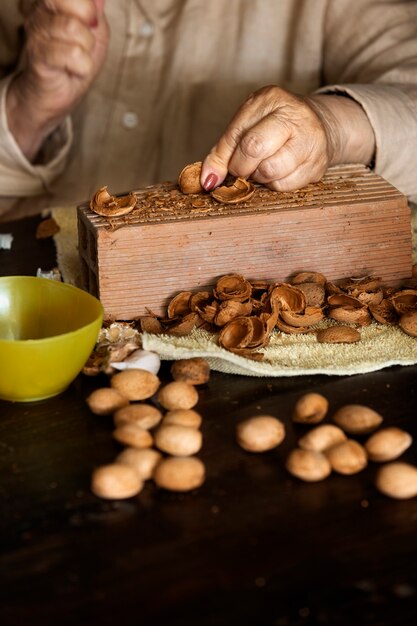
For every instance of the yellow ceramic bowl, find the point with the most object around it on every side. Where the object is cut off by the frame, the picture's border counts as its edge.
(47, 332)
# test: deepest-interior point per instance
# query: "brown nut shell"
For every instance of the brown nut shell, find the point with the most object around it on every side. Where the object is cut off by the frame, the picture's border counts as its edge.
(397, 480)
(195, 371)
(347, 457)
(387, 444)
(357, 419)
(135, 384)
(408, 323)
(107, 205)
(239, 191)
(260, 433)
(189, 178)
(310, 408)
(180, 474)
(115, 481)
(308, 465)
(338, 334)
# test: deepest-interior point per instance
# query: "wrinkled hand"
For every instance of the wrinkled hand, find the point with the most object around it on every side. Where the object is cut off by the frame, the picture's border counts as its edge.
(66, 44)
(286, 141)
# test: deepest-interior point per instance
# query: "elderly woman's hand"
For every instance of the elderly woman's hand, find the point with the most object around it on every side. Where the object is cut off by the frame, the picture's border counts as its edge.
(66, 44)
(287, 141)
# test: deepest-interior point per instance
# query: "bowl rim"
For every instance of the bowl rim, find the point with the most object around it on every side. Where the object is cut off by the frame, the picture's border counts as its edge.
(60, 285)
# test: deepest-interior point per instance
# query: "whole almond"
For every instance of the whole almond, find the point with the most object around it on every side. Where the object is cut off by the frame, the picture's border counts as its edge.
(347, 457)
(195, 371)
(322, 438)
(132, 435)
(311, 408)
(338, 334)
(105, 401)
(387, 444)
(261, 433)
(397, 480)
(180, 474)
(115, 481)
(142, 461)
(183, 417)
(135, 384)
(178, 395)
(178, 440)
(143, 415)
(308, 465)
(357, 419)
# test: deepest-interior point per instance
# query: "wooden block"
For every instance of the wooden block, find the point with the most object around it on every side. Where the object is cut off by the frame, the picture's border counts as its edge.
(352, 223)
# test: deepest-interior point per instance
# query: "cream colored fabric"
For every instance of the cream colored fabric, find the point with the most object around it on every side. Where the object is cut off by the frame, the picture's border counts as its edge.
(177, 70)
(293, 355)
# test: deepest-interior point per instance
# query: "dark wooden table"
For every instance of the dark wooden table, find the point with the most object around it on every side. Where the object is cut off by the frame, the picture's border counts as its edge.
(252, 546)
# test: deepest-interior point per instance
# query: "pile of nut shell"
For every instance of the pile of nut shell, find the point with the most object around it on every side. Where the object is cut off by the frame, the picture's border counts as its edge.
(333, 446)
(245, 312)
(160, 438)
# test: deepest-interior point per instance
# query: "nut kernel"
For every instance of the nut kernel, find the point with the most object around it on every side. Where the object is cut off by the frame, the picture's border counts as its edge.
(311, 408)
(178, 440)
(115, 482)
(178, 395)
(322, 438)
(397, 480)
(105, 401)
(143, 461)
(195, 371)
(357, 419)
(179, 473)
(308, 465)
(348, 457)
(183, 417)
(387, 444)
(133, 435)
(144, 415)
(135, 384)
(261, 433)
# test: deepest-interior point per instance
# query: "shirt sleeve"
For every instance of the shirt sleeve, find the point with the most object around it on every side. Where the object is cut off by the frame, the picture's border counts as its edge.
(370, 55)
(19, 177)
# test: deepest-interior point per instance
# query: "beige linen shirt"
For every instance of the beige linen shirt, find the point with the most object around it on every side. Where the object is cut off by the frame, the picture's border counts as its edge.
(177, 70)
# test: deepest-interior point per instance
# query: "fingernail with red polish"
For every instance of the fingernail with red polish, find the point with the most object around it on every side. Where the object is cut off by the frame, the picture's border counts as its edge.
(94, 23)
(210, 182)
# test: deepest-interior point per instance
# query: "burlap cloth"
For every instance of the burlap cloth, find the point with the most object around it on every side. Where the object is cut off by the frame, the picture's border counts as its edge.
(286, 355)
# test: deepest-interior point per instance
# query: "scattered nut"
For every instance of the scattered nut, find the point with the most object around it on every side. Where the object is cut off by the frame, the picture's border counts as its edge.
(322, 438)
(357, 419)
(135, 384)
(107, 205)
(338, 334)
(178, 440)
(308, 465)
(144, 415)
(195, 371)
(130, 434)
(387, 444)
(180, 474)
(261, 433)
(183, 417)
(115, 481)
(347, 457)
(105, 401)
(142, 461)
(311, 408)
(178, 395)
(397, 480)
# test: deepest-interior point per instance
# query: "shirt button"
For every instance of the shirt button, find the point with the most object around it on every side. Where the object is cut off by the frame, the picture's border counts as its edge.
(130, 120)
(147, 29)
